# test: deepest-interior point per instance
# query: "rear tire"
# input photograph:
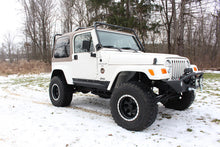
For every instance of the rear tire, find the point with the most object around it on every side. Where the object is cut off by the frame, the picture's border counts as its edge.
(133, 107)
(60, 93)
(181, 102)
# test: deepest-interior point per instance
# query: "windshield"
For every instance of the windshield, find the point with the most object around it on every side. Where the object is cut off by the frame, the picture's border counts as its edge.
(116, 40)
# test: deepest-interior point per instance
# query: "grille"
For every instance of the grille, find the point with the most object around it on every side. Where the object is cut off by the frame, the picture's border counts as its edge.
(178, 66)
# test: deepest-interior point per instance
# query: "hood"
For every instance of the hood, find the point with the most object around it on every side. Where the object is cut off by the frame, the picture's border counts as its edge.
(130, 57)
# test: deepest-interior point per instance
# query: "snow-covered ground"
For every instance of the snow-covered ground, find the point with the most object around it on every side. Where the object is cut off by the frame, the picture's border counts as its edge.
(27, 118)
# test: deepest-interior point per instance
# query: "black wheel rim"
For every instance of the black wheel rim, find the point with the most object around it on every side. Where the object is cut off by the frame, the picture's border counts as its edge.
(128, 107)
(55, 92)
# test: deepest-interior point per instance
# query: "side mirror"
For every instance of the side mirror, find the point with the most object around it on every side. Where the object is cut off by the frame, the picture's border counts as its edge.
(98, 47)
(86, 45)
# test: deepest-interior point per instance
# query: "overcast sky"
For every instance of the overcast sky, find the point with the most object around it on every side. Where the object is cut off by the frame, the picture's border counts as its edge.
(10, 18)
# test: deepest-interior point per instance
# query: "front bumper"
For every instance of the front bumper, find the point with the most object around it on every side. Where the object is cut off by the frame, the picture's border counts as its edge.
(187, 82)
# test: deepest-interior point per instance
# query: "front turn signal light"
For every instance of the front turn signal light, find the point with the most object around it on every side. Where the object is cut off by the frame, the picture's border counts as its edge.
(195, 69)
(164, 71)
(151, 72)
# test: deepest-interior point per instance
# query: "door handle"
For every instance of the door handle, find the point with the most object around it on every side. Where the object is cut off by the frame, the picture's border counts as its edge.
(93, 54)
(75, 57)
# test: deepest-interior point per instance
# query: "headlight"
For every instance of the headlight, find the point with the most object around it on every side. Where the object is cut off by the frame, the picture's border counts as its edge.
(168, 64)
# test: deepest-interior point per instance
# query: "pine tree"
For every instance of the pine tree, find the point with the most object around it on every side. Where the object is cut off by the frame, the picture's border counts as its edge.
(128, 13)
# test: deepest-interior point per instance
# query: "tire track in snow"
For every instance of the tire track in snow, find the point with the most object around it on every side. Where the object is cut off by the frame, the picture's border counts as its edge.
(49, 104)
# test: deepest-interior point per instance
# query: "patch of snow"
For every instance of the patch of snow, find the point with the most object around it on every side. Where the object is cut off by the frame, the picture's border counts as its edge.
(211, 71)
(29, 119)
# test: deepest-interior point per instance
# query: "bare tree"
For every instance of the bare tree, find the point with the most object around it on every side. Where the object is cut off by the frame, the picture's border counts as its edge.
(67, 15)
(175, 26)
(216, 47)
(74, 13)
(9, 44)
(30, 9)
(80, 13)
(44, 12)
(167, 21)
(2, 52)
(38, 26)
(180, 42)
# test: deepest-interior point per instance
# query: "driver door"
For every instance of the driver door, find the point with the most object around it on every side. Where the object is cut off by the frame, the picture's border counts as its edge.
(84, 65)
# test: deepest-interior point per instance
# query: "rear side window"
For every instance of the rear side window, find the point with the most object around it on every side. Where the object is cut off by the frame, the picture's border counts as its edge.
(62, 48)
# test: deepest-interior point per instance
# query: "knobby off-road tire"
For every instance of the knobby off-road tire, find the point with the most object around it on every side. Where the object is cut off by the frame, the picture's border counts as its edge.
(133, 107)
(60, 93)
(181, 102)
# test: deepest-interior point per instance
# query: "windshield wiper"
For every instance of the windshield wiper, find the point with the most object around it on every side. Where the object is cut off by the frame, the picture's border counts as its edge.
(128, 48)
(110, 46)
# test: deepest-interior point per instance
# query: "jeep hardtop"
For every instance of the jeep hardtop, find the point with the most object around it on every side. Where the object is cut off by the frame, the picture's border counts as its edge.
(112, 64)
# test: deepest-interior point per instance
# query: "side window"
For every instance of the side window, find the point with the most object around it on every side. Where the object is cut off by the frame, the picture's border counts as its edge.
(78, 43)
(62, 48)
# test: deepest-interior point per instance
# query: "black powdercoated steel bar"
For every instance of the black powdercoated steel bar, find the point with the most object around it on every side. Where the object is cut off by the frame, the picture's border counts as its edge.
(99, 42)
(96, 24)
(79, 28)
(54, 39)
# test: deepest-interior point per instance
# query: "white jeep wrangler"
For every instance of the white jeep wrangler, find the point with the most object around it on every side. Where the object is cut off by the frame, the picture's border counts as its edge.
(112, 64)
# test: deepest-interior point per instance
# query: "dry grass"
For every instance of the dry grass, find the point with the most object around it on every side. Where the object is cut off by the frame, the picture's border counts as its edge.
(24, 67)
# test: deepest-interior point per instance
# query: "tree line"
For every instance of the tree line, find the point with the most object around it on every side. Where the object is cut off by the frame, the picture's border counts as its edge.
(185, 27)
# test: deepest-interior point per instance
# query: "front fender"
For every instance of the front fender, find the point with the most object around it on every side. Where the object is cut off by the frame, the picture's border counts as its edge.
(153, 72)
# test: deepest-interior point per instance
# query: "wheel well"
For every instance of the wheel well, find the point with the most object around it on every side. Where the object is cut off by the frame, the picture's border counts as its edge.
(58, 73)
(128, 76)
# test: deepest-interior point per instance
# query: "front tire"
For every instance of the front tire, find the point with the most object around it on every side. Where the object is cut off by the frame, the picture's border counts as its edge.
(60, 93)
(133, 107)
(181, 102)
